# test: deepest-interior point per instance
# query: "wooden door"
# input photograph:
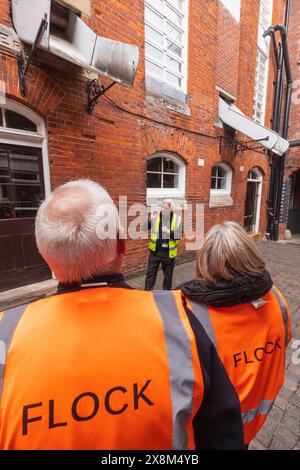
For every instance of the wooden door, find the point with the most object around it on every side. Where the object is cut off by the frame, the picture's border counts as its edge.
(21, 191)
(251, 206)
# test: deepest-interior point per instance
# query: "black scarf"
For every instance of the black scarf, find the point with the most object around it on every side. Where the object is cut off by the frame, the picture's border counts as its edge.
(239, 290)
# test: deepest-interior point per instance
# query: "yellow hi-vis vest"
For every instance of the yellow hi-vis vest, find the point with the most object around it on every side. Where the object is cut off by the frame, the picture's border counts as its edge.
(173, 244)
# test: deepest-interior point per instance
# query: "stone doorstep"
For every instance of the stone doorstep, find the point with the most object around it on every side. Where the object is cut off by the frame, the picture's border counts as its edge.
(22, 295)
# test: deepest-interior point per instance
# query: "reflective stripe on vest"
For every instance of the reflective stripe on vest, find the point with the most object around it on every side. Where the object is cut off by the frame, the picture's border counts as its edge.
(201, 312)
(180, 359)
(8, 323)
(264, 408)
(284, 313)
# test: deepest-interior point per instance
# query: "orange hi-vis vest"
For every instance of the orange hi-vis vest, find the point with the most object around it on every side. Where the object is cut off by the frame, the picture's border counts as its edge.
(99, 368)
(251, 339)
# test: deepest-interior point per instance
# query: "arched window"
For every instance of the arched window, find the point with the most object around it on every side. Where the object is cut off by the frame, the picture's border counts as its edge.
(165, 175)
(23, 163)
(11, 120)
(254, 175)
(221, 178)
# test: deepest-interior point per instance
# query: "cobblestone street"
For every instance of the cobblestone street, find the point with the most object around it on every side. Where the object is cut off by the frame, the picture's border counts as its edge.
(282, 428)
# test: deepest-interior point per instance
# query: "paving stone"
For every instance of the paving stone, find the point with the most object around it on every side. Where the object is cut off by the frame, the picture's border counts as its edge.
(293, 410)
(295, 369)
(286, 435)
(285, 393)
(295, 400)
(278, 444)
(256, 445)
(276, 413)
(266, 434)
(291, 381)
(281, 402)
(293, 424)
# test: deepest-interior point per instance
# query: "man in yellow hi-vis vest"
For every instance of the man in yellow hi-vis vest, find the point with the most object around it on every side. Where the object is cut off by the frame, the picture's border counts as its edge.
(166, 231)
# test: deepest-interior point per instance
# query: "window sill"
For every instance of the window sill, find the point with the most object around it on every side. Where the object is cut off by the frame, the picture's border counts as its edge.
(220, 200)
(155, 197)
(162, 94)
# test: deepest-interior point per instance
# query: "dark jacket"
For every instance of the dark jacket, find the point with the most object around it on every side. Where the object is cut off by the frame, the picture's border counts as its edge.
(218, 423)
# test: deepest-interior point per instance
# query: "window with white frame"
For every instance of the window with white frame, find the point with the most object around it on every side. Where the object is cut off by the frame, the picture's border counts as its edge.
(254, 175)
(221, 179)
(12, 120)
(165, 175)
(166, 41)
(262, 61)
(260, 87)
(265, 16)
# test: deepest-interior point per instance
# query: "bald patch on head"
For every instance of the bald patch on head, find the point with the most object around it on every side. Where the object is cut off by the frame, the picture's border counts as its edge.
(69, 205)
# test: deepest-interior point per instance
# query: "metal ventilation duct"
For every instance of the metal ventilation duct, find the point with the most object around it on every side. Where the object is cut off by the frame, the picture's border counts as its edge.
(68, 37)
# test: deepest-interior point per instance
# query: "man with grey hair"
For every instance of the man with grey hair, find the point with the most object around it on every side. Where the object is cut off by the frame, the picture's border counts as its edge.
(77, 232)
(101, 365)
(166, 231)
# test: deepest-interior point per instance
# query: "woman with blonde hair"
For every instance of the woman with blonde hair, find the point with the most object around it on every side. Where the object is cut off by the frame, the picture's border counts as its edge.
(246, 317)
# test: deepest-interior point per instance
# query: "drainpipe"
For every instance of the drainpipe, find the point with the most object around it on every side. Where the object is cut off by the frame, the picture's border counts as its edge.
(295, 143)
(278, 89)
(278, 163)
(285, 127)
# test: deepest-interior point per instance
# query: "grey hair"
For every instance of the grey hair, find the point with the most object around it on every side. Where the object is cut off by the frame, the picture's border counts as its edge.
(170, 203)
(67, 231)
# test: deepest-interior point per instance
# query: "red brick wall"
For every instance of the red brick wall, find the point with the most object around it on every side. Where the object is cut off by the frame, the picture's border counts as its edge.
(111, 146)
(293, 158)
(228, 51)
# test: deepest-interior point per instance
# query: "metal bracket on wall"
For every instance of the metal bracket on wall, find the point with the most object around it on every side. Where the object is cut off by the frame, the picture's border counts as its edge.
(244, 146)
(24, 60)
(94, 91)
(226, 142)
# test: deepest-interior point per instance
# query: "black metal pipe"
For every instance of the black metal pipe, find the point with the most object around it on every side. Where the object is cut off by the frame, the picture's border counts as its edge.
(283, 32)
(295, 143)
(278, 163)
(287, 109)
(286, 118)
(275, 48)
(287, 14)
(279, 90)
(278, 87)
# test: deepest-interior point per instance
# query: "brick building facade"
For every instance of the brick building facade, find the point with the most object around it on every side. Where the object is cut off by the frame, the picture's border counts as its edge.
(113, 145)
